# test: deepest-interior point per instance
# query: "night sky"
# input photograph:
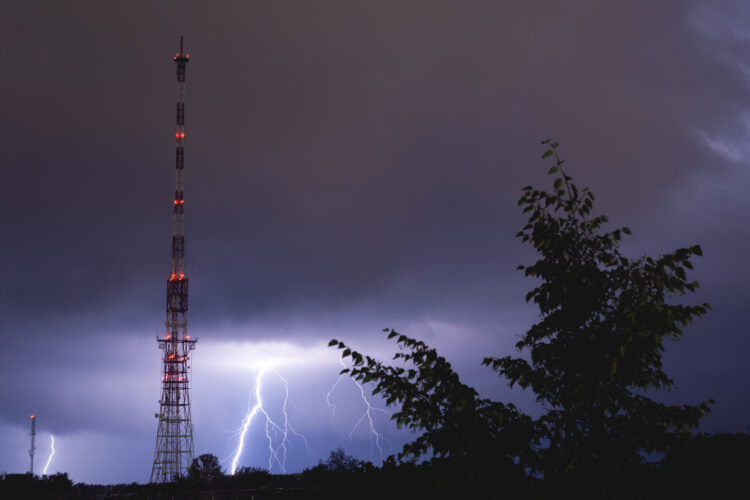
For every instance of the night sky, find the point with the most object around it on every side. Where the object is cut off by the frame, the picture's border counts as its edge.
(349, 166)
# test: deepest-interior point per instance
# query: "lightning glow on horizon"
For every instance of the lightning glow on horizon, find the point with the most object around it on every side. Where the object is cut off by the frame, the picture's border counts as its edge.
(51, 454)
(276, 453)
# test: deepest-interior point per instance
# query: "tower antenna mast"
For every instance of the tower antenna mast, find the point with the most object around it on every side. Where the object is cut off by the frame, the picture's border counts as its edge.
(33, 444)
(174, 438)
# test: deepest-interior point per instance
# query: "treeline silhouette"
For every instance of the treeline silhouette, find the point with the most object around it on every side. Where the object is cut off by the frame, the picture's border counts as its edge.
(705, 466)
(594, 362)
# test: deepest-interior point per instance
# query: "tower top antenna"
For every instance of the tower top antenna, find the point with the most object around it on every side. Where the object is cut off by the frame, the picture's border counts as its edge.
(181, 56)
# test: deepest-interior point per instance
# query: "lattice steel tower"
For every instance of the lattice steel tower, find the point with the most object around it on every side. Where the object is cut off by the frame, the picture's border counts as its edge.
(174, 439)
(33, 444)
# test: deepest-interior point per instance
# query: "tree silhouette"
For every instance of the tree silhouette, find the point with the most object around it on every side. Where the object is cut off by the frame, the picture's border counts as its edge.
(204, 470)
(475, 436)
(591, 360)
(598, 347)
(339, 461)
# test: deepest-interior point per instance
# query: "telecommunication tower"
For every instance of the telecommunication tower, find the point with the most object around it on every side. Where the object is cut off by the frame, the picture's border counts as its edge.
(174, 438)
(33, 446)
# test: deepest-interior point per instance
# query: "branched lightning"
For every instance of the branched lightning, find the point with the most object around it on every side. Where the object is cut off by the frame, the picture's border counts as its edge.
(51, 454)
(287, 425)
(275, 432)
(246, 422)
(279, 432)
(333, 388)
(375, 437)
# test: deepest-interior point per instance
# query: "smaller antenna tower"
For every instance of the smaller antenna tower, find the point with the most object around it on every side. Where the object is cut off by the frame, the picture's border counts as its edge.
(33, 446)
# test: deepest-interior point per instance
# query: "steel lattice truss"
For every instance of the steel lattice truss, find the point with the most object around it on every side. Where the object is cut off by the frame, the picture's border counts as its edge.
(174, 438)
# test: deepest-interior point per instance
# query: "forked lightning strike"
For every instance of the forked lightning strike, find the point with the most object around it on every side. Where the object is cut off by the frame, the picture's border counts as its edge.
(278, 433)
(333, 388)
(51, 454)
(375, 437)
(276, 453)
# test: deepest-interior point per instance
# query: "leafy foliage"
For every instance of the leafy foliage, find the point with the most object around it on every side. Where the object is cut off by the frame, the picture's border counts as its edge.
(205, 470)
(591, 360)
(455, 423)
(598, 347)
(249, 477)
(252, 472)
(339, 461)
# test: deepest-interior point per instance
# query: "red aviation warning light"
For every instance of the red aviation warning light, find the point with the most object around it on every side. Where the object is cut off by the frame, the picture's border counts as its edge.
(181, 54)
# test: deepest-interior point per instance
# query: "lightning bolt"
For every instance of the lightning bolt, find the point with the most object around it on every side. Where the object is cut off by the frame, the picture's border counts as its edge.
(51, 454)
(246, 422)
(375, 437)
(278, 432)
(333, 388)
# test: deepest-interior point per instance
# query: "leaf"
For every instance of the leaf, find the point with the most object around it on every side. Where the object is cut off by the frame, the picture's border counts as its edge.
(552, 170)
(333, 343)
(626, 230)
(680, 273)
(548, 153)
(558, 182)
